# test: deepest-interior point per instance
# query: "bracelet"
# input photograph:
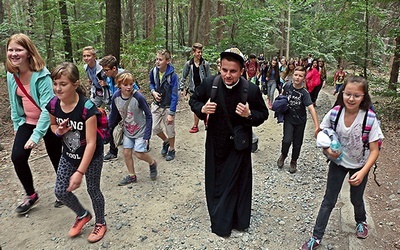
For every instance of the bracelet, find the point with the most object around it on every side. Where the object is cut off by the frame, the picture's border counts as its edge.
(57, 134)
(82, 173)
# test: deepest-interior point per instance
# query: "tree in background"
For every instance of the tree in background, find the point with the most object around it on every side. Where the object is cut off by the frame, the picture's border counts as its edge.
(113, 28)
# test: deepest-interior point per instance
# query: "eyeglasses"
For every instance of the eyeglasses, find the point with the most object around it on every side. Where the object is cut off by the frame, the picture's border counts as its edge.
(106, 70)
(355, 96)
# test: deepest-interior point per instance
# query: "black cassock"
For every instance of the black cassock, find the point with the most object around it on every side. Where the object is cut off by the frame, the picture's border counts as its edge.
(228, 172)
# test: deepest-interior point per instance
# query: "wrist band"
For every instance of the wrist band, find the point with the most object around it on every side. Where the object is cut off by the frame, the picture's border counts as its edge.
(57, 134)
(82, 173)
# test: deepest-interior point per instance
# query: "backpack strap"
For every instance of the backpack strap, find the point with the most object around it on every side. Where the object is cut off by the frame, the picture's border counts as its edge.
(368, 121)
(334, 116)
(88, 105)
(215, 87)
(245, 87)
(53, 103)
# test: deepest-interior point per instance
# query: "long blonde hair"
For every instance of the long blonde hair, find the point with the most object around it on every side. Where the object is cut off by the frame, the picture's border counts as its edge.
(36, 62)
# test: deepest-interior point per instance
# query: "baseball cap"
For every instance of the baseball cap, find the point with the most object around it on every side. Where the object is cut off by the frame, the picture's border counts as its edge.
(235, 53)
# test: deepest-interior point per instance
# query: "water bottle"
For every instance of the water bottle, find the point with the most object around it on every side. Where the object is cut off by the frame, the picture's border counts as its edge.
(337, 148)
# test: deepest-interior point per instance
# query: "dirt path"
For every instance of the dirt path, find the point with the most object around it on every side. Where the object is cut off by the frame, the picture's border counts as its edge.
(171, 213)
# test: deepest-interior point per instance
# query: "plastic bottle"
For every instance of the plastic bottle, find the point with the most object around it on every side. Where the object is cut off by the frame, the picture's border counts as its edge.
(337, 148)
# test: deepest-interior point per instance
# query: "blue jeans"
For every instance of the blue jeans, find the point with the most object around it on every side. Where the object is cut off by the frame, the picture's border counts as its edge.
(336, 175)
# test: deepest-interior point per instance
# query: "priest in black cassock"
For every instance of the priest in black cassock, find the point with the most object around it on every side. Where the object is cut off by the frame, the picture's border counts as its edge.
(228, 172)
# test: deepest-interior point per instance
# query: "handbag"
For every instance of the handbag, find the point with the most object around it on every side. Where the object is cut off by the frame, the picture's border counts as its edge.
(118, 132)
(240, 137)
(22, 88)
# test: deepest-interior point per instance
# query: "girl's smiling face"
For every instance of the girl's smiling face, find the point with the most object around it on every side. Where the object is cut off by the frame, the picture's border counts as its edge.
(353, 95)
(17, 54)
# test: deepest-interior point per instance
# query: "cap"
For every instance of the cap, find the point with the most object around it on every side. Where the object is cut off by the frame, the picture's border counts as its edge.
(235, 53)
(252, 55)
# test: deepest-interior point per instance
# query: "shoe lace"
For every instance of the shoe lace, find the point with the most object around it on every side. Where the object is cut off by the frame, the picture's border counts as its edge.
(360, 228)
(26, 201)
(311, 243)
(97, 229)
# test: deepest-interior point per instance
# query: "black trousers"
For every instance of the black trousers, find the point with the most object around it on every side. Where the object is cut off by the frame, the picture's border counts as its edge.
(20, 156)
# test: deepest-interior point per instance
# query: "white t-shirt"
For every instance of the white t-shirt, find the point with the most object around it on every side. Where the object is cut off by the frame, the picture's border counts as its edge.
(351, 139)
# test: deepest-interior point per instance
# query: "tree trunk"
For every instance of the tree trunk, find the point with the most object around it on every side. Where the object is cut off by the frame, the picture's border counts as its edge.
(131, 22)
(220, 23)
(206, 21)
(66, 31)
(113, 28)
(394, 73)
(181, 25)
(149, 20)
(2, 36)
(48, 24)
(166, 24)
(192, 21)
(31, 18)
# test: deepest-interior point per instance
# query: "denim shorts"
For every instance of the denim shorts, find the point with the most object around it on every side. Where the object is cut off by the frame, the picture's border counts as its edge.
(138, 144)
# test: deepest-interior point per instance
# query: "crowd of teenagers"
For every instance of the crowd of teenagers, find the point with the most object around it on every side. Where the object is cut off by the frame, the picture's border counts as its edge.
(55, 106)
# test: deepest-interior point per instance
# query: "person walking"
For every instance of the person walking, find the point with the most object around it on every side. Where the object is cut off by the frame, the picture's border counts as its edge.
(196, 69)
(356, 159)
(164, 89)
(129, 103)
(82, 148)
(294, 122)
(30, 89)
(228, 168)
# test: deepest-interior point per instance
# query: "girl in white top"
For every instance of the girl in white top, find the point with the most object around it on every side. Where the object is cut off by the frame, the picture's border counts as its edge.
(356, 160)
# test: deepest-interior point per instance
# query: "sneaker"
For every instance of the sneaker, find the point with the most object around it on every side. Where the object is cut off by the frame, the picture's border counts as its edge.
(110, 157)
(153, 170)
(312, 244)
(127, 179)
(58, 204)
(281, 161)
(194, 129)
(97, 233)
(293, 167)
(28, 203)
(165, 147)
(79, 223)
(170, 156)
(362, 230)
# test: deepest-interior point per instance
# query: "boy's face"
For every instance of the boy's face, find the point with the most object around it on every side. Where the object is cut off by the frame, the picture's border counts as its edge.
(298, 78)
(162, 62)
(89, 58)
(126, 88)
(110, 72)
(198, 53)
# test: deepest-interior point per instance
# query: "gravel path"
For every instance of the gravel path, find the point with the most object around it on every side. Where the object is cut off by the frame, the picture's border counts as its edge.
(171, 213)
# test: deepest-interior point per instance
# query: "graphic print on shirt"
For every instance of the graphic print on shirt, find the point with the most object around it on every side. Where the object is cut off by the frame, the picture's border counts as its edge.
(132, 127)
(72, 140)
(352, 143)
(294, 100)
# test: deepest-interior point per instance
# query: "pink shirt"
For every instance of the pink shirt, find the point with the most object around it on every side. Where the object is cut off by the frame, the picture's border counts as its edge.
(31, 111)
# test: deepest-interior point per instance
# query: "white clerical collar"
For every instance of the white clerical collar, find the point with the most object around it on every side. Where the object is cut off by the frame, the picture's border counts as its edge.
(231, 86)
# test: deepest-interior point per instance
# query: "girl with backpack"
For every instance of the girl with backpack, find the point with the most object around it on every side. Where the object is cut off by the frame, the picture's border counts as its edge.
(82, 148)
(357, 158)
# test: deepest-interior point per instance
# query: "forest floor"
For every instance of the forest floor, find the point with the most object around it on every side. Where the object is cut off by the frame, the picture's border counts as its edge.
(171, 212)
